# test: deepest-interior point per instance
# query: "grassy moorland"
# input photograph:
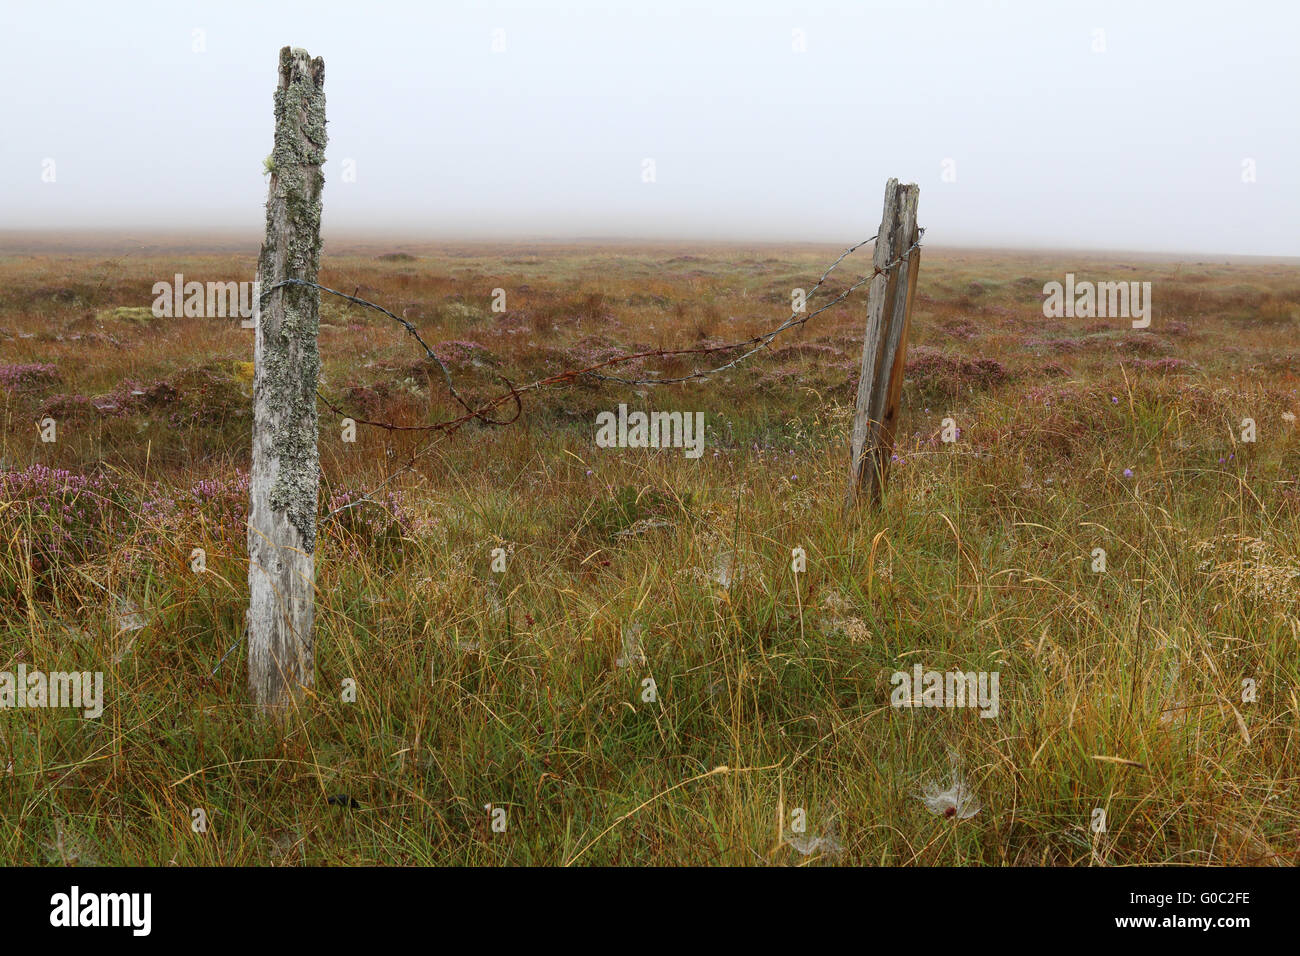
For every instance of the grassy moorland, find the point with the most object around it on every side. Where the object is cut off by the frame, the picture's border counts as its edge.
(1163, 691)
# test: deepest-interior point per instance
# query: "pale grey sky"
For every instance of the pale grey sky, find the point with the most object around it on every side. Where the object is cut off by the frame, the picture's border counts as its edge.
(1111, 125)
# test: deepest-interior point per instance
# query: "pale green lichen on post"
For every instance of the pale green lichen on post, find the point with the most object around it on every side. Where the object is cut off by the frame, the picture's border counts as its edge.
(291, 357)
(295, 488)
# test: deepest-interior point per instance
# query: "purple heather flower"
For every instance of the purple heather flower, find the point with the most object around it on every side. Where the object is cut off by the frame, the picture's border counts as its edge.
(1128, 472)
(21, 377)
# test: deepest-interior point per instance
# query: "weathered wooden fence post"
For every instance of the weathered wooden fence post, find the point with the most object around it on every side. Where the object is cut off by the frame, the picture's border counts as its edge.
(285, 474)
(884, 347)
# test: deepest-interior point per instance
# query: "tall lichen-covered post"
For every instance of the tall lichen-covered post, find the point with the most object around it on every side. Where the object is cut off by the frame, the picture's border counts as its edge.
(285, 472)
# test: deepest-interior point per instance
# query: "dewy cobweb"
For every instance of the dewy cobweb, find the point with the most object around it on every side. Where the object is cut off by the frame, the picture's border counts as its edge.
(956, 801)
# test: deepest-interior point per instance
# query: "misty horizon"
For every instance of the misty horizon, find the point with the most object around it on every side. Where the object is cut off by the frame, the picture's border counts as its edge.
(1102, 128)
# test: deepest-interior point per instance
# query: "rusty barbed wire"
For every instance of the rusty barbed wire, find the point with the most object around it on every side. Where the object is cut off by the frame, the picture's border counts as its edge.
(428, 352)
(796, 318)
(569, 376)
(759, 342)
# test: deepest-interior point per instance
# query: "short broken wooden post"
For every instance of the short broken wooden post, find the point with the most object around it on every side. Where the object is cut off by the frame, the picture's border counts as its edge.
(884, 347)
(285, 474)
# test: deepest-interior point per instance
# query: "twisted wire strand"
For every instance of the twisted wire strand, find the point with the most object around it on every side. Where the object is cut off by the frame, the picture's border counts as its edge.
(569, 376)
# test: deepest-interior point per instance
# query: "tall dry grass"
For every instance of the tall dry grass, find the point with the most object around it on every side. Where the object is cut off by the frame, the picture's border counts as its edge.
(1120, 692)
